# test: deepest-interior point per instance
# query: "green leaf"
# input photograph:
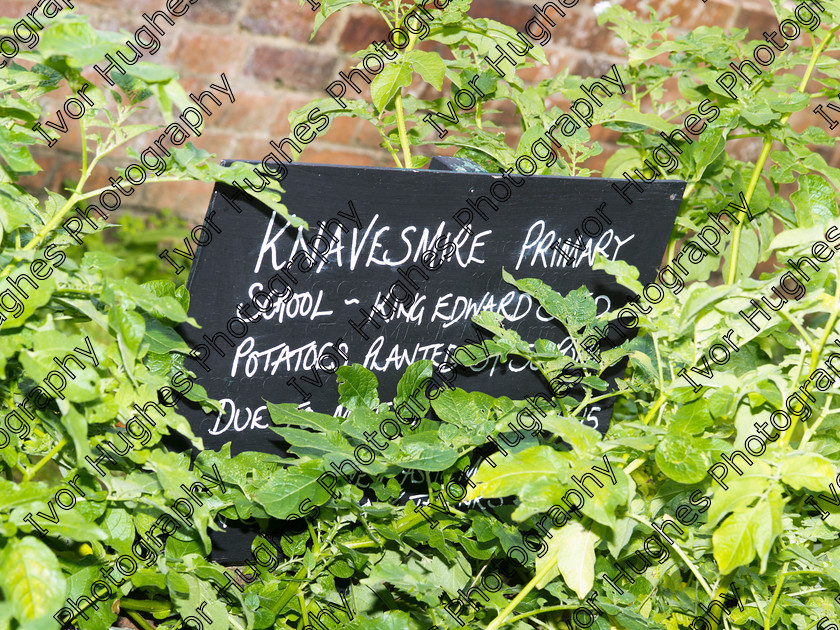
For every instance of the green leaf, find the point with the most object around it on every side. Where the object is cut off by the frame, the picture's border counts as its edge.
(77, 426)
(101, 616)
(691, 419)
(699, 297)
(796, 238)
(428, 65)
(79, 42)
(576, 309)
(639, 54)
(758, 114)
(571, 553)
(624, 159)
(466, 410)
(508, 477)
(37, 298)
(748, 253)
(811, 471)
(119, 527)
(283, 494)
(423, 451)
(626, 275)
(357, 387)
(19, 494)
(683, 458)
(73, 524)
(15, 153)
(151, 72)
(411, 380)
(815, 201)
(49, 344)
(710, 145)
(188, 592)
(387, 83)
(603, 505)
(161, 306)
(733, 544)
(31, 578)
(580, 437)
(640, 120)
(163, 339)
(328, 7)
(129, 329)
(15, 208)
(741, 491)
(288, 413)
(766, 524)
(413, 577)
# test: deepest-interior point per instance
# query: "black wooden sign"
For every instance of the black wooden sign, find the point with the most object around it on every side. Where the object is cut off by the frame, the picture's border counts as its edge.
(428, 245)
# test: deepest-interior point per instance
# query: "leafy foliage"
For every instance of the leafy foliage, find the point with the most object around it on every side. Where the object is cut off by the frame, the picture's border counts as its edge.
(347, 545)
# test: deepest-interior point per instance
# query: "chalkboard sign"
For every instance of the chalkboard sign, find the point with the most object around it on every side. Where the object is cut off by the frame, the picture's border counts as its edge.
(370, 230)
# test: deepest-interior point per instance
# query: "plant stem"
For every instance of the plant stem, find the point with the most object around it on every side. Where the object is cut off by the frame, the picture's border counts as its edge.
(84, 149)
(829, 325)
(540, 611)
(809, 432)
(775, 597)
(736, 231)
(148, 180)
(765, 151)
(587, 398)
(30, 472)
(672, 242)
(658, 361)
(802, 332)
(404, 524)
(296, 583)
(402, 131)
(304, 617)
(596, 399)
(654, 409)
(500, 619)
(681, 554)
(398, 106)
(74, 197)
(316, 545)
(634, 465)
(145, 605)
(669, 253)
(139, 620)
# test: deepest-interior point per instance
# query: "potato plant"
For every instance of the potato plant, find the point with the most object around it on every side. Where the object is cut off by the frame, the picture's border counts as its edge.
(755, 547)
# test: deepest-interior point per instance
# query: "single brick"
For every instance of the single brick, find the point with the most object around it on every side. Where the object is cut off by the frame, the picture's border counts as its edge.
(361, 30)
(250, 112)
(758, 20)
(293, 67)
(286, 103)
(511, 13)
(188, 199)
(284, 18)
(209, 54)
(131, 7)
(213, 11)
(15, 9)
(689, 14)
(342, 131)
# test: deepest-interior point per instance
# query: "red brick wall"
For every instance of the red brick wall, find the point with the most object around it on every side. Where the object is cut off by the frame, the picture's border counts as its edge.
(263, 47)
